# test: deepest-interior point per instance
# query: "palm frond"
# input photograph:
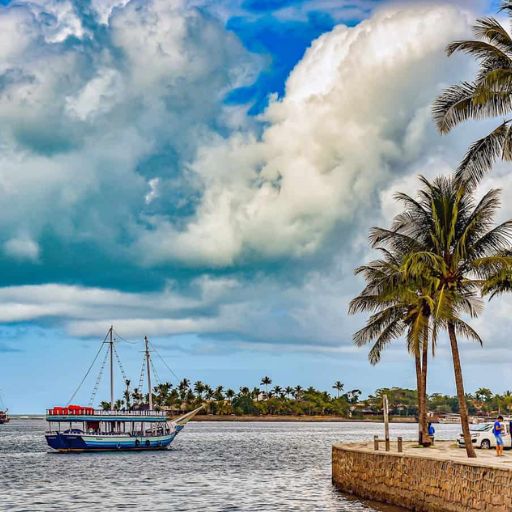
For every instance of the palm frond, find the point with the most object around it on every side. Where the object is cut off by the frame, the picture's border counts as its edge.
(482, 154)
(479, 49)
(465, 330)
(506, 5)
(493, 32)
(465, 101)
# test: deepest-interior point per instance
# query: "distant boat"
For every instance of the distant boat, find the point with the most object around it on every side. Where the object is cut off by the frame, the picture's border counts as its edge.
(452, 419)
(76, 428)
(4, 417)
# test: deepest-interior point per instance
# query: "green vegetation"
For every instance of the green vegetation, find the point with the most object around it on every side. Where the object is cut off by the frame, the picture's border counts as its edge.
(296, 401)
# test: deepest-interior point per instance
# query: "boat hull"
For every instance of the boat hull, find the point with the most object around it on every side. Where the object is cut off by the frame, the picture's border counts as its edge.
(92, 443)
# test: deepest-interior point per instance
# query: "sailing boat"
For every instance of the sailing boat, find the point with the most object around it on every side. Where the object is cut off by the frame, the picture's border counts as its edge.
(76, 428)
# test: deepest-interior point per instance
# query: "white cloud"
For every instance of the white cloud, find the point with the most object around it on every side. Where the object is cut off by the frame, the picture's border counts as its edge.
(78, 126)
(22, 249)
(356, 113)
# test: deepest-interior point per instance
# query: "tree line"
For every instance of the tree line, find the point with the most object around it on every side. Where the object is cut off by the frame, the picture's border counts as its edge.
(299, 401)
(443, 256)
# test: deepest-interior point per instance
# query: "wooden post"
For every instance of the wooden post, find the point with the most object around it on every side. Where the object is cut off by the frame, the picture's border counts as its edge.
(400, 447)
(376, 443)
(385, 406)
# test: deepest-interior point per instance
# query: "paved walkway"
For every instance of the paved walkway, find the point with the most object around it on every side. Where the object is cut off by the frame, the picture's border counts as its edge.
(442, 450)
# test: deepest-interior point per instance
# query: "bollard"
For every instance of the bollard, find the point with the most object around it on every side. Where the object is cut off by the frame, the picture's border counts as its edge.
(376, 443)
(388, 447)
(400, 445)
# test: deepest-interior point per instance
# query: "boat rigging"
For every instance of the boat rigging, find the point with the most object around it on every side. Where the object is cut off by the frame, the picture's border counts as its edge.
(76, 428)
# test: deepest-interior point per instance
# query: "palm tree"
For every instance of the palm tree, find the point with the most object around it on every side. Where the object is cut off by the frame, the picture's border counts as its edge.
(451, 242)
(199, 389)
(399, 306)
(230, 394)
(297, 392)
(218, 394)
(127, 394)
(288, 390)
(137, 396)
(266, 381)
(488, 95)
(183, 388)
(353, 396)
(338, 386)
(255, 393)
(105, 406)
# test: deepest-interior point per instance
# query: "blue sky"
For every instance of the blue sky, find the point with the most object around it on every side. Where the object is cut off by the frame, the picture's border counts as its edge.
(205, 173)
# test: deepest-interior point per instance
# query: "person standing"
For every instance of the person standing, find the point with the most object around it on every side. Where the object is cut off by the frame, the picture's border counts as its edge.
(431, 431)
(498, 434)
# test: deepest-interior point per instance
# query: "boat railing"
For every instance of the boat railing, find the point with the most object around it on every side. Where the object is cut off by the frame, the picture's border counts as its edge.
(137, 433)
(102, 413)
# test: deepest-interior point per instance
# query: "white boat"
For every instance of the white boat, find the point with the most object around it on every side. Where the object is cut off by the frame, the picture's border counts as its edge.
(76, 428)
(452, 419)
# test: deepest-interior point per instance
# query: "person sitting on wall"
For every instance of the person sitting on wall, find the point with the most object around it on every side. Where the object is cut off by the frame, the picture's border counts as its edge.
(498, 433)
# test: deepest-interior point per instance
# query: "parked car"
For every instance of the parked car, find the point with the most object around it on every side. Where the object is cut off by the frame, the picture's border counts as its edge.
(482, 436)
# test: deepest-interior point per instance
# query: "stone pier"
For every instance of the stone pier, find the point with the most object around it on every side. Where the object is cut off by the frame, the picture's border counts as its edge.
(438, 479)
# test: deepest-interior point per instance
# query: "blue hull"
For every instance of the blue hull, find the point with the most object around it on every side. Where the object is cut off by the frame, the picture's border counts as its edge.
(88, 443)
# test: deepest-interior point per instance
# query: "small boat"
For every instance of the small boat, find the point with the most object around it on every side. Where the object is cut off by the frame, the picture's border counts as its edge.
(76, 428)
(450, 419)
(4, 417)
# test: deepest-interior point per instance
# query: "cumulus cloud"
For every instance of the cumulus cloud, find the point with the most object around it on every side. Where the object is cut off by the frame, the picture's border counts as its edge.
(118, 150)
(356, 114)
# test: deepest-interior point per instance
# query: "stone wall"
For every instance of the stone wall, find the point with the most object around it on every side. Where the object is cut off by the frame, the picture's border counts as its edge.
(421, 483)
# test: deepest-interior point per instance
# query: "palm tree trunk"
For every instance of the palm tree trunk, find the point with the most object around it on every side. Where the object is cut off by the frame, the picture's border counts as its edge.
(460, 391)
(425, 438)
(419, 386)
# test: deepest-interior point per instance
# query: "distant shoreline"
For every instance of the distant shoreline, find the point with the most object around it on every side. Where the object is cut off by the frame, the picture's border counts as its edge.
(264, 419)
(301, 419)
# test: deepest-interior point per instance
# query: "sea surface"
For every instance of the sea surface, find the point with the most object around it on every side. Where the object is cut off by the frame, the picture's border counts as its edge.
(212, 466)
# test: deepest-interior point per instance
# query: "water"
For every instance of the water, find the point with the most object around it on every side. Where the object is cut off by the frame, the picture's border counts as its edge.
(267, 467)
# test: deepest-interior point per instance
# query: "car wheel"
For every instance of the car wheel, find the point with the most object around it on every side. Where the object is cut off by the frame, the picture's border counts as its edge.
(486, 444)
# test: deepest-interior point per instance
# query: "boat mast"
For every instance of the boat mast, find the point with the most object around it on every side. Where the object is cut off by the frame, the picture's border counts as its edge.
(111, 342)
(148, 366)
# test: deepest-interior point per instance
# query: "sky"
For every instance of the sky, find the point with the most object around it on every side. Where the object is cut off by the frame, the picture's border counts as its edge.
(206, 173)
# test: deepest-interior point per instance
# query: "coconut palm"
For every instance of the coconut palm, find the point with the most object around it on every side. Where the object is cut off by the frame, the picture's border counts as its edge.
(289, 391)
(338, 386)
(451, 242)
(244, 390)
(218, 393)
(266, 381)
(127, 394)
(399, 306)
(255, 393)
(488, 95)
(199, 389)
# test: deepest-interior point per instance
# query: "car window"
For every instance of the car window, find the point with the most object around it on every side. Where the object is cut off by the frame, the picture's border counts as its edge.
(481, 428)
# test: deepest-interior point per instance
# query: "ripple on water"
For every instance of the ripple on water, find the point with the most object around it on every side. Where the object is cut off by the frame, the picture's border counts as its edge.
(268, 467)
